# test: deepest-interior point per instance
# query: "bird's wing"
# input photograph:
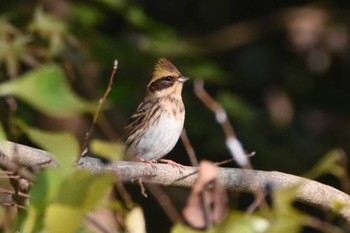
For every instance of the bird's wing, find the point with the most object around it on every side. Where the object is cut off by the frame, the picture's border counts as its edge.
(138, 118)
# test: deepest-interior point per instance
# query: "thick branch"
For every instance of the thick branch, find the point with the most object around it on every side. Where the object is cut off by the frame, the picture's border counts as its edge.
(309, 192)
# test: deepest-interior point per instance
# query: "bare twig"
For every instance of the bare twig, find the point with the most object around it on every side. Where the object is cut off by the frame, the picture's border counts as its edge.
(232, 142)
(13, 204)
(165, 202)
(96, 224)
(189, 148)
(124, 193)
(100, 103)
(11, 192)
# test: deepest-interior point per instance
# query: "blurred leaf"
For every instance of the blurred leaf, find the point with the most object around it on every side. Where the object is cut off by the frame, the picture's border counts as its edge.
(180, 228)
(133, 14)
(165, 43)
(48, 182)
(62, 218)
(240, 222)
(135, 221)
(70, 205)
(285, 217)
(53, 142)
(114, 4)
(93, 186)
(13, 51)
(6, 27)
(327, 165)
(283, 200)
(285, 225)
(46, 89)
(112, 151)
(51, 28)
(87, 15)
(236, 222)
(137, 17)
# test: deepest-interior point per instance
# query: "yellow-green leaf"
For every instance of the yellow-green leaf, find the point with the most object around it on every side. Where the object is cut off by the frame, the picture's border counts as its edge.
(135, 221)
(78, 194)
(329, 164)
(62, 218)
(109, 150)
(47, 90)
(63, 145)
(48, 182)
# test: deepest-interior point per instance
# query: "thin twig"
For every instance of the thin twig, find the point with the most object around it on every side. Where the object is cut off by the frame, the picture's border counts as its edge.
(232, 143)
(96, 224)
(188, 146)
(224, 162)
(17, 171)
(124, 193)
(13, 205)
(11, 192)
(100, 103)
(164, 201)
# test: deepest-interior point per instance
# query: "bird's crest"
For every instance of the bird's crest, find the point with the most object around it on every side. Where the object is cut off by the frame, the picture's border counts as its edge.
(162, 67)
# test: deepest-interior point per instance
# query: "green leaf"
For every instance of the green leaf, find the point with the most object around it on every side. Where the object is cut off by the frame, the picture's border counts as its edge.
(47, 90)
(283, 200)
(289, 225)
(329, 164)
(285, 217)
(112, 151)
(79, 193)
(243, 223)
(48, 182)
(13, 50)
(50, 27)
(63, 145)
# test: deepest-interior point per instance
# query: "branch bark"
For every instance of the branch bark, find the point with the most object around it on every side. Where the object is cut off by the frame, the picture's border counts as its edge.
(309, 191)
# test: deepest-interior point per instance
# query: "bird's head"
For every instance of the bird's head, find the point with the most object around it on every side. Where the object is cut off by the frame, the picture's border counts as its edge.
(166, 80)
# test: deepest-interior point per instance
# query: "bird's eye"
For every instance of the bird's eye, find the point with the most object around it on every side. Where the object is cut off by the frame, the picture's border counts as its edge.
(168, 78)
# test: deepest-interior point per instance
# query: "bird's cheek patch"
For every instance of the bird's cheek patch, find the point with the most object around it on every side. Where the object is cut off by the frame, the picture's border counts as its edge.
(160, 84)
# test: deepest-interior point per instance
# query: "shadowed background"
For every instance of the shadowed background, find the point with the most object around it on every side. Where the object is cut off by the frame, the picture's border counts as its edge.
(280, 69)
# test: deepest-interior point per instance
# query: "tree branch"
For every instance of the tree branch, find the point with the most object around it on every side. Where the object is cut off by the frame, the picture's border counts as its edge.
(309, 192)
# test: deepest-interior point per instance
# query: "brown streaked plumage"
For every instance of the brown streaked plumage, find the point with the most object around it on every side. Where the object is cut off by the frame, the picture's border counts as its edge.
(156, 125)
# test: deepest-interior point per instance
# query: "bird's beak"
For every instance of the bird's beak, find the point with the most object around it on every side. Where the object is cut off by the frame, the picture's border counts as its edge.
(182, 79)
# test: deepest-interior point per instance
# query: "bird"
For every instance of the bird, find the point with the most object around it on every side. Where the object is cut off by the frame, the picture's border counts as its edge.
(155, 127)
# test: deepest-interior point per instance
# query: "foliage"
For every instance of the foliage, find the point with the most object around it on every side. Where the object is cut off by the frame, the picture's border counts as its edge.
(284, 86)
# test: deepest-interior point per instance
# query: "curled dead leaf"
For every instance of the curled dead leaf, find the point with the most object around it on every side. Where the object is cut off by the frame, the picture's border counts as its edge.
(208, 202)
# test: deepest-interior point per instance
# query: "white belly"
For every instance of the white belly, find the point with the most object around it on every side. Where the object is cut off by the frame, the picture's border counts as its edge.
(159, 139)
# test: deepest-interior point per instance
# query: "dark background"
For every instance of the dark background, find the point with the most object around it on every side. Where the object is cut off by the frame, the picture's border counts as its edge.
(279, 68)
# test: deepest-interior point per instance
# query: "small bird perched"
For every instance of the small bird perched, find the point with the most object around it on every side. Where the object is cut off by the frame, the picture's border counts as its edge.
(156, 125)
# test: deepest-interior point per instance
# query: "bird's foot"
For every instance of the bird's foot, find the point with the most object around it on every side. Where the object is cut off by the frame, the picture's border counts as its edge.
(174, 164)
(150, 162)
